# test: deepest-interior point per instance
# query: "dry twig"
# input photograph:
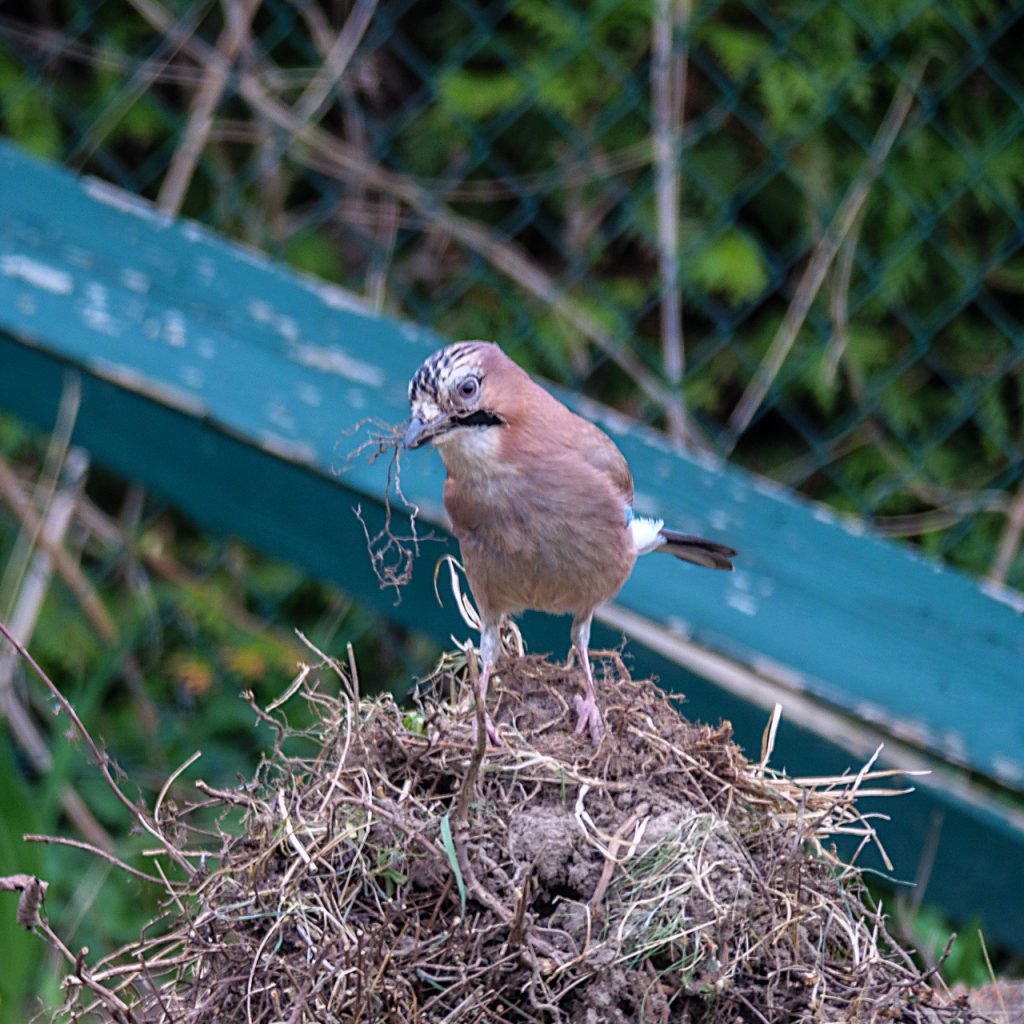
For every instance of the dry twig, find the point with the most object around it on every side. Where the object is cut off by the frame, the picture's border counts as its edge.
(668, 94)
(238, 15)
(1009, 541)
(823, 255)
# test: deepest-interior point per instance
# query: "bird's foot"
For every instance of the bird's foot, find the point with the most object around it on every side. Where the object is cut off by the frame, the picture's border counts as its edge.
(588, 718)
(493, 739)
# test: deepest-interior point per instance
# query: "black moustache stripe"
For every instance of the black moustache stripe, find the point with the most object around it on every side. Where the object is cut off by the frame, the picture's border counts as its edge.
(480, 418)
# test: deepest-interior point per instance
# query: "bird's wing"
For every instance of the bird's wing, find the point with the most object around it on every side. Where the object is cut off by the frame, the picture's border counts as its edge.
(603, 454)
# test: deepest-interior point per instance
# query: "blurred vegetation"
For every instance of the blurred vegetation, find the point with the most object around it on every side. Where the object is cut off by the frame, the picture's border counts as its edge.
(494, 175)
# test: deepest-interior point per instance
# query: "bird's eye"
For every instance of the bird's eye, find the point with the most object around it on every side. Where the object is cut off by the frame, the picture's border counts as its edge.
(469, 387)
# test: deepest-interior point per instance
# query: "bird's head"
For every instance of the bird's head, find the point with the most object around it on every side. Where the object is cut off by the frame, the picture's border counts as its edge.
(453, 396)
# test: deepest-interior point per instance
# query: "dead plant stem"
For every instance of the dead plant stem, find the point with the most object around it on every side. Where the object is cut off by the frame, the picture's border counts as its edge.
(1009, 540)
(668, 101)
(238, 15)
(823, 255)
(101, 758)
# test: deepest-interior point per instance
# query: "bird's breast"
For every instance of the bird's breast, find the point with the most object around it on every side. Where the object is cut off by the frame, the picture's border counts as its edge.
(547, 538)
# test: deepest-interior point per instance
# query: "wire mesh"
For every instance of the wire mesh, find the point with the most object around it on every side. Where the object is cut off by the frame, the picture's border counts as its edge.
(789, 233)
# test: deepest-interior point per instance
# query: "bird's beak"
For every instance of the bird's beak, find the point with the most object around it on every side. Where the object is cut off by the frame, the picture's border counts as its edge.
(418, 432)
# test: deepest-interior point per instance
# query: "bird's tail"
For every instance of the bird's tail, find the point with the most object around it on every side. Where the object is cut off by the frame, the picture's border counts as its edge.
(696, 550)
(651, 535)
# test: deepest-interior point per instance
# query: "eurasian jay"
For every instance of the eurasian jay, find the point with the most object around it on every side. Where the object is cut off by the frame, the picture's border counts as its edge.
(540, 500)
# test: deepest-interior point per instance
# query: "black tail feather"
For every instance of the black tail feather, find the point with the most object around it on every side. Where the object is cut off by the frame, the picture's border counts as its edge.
(697, 550)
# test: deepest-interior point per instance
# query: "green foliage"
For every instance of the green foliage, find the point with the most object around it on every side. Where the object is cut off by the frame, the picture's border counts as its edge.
(477, 95)
(448, 844)
(23, 952)
(731, 265)
(28, 115)
(741, 50)
(966, 962)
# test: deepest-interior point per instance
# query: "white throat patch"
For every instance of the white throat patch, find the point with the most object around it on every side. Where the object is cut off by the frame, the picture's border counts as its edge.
(470, 450)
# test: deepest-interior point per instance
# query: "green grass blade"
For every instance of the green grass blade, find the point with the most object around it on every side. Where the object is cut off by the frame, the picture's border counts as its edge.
(449, 848)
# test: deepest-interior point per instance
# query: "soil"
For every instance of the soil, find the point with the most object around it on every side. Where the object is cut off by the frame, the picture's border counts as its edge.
(384, 866)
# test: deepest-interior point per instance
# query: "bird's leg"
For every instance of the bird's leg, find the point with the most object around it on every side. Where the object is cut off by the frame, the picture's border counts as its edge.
(490, 647)
(588, 713)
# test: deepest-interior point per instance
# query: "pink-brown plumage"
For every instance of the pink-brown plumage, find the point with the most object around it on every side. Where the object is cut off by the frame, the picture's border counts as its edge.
(527, 539)
(539, 499)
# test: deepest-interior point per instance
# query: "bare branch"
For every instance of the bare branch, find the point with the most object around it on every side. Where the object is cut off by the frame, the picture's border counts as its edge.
(336, 61)
(238, 15)
(839, 301)
(13, 494)
(1009, 541)
(668, 94)
(821, 259)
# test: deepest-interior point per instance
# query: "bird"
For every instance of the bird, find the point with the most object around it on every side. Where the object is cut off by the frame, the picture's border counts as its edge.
(540, 500)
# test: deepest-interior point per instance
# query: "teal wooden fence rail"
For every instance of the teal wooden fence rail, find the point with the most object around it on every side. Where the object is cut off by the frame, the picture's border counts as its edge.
(226, 383)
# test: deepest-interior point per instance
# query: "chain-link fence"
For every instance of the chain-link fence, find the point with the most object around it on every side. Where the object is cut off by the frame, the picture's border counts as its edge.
(790, 233)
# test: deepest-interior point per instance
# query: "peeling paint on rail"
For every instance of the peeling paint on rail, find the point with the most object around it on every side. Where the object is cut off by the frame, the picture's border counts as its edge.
(126, 202)
(166, 394)
(330, 359)
(334, 297)
(39, 275)
(289, 449)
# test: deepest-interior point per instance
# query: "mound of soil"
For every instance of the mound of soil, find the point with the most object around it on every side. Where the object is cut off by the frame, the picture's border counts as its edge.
(385, 867)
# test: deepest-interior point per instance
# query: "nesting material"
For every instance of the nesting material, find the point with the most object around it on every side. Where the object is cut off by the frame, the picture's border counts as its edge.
(384, 867)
